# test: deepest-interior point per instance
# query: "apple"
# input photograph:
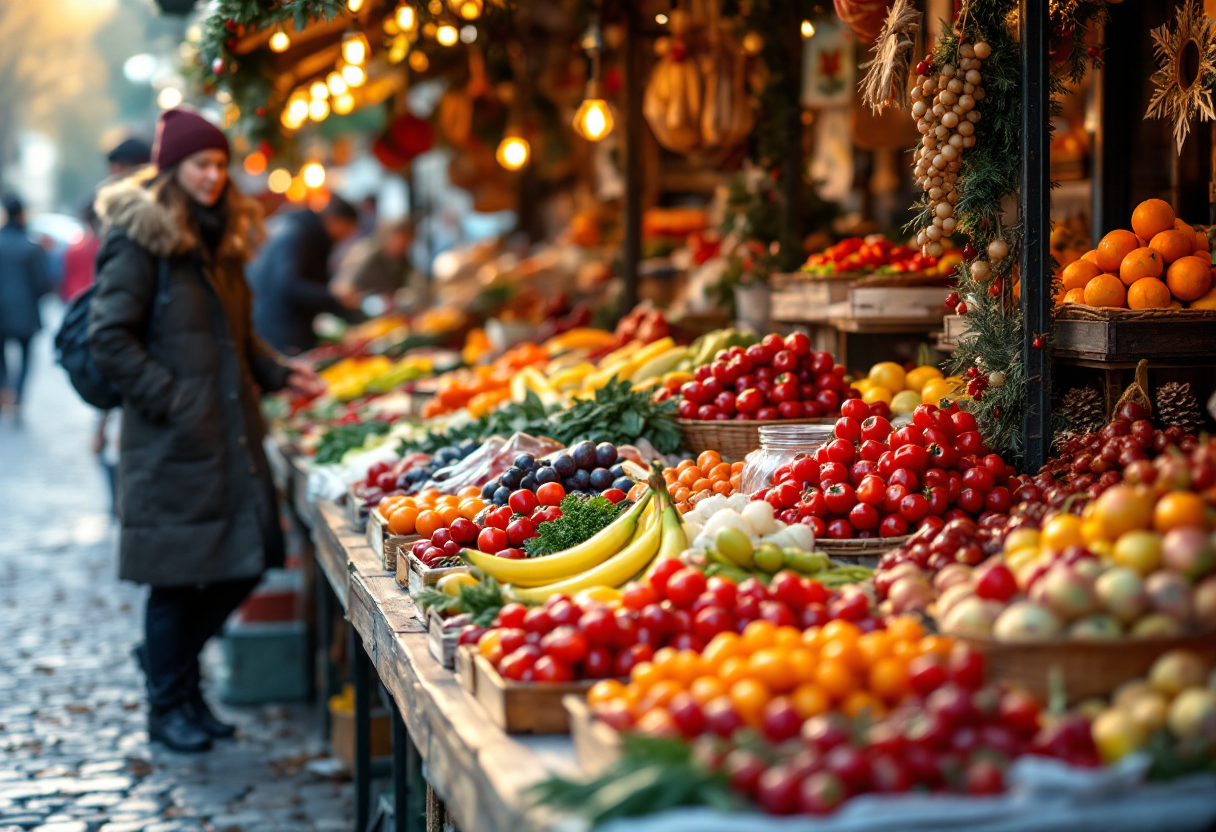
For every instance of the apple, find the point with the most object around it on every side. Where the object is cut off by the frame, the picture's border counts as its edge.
(1120, 591)
(1026, 621)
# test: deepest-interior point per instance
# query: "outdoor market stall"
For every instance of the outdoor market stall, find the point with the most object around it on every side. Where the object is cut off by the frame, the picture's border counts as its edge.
(675, 572)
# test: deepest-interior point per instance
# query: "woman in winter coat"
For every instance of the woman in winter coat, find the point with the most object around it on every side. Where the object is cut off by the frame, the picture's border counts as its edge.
(170, 327)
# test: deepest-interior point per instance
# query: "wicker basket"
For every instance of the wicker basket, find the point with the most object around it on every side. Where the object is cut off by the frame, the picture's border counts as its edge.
(1080, 312)
(734, 440)
(1086, 668)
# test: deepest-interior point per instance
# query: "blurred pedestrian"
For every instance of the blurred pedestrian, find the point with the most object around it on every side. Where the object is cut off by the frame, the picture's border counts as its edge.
(379, 266)
(24, 279)
(79, 257)
(128, 156)
(170, 327)
(290, 276)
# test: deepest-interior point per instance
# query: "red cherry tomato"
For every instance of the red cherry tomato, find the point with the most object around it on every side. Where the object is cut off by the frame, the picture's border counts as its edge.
(684, 586)
(522, 501)
(548, 669)
(550, 494)
(638, 596)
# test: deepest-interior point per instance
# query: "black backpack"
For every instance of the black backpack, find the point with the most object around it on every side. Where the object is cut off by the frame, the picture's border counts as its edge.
(72, 344)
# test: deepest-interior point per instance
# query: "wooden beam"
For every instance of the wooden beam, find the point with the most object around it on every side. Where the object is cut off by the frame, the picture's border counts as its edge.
(1036, 222)
(631, 250)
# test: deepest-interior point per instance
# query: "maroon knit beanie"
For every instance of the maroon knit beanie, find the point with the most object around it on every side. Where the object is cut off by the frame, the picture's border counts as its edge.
(181, 133)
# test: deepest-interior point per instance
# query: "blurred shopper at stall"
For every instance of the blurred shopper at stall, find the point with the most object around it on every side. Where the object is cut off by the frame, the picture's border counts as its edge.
(24, 279)
(290, 276)
(379, 266)
(170, 327)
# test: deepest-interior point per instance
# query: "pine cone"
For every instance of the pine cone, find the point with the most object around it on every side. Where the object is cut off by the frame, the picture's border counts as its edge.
(1084, 408)
(1177, 406)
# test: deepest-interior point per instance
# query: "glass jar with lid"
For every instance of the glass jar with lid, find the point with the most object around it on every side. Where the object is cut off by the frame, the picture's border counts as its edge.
(779, 445)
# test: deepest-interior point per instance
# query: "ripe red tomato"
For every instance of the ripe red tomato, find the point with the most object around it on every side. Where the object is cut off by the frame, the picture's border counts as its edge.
(980, 479)
(840, 497)
(805, 470)
(784, 495)
(787, 587)
(871, 490)
(500, 517)
(798, 343)
(839, 529)
(863, 517)
(520, 529)
(778, 613)
(872, 450)
(599, 663)
(849, 429)
(912, 457)
(831, 473)
(829, 400)
(926, 673)
(695, 392)
(893, 525)
(842, 451)
(565, 613)
(565, 644)
(598, 627)
(969, 442)
(638, 596)
(492, 540)
(767, 414)
(938, 499)
(749, 401)
(907, 435)
(856, 410)
(913, 507)
(998, 499)
(511, 615)
(518, 664)
(522, 501)
(684, 586)
(876, 428)
(548, 669)
(970, 500)
(904, 477)
(942, 456)
(537, 620)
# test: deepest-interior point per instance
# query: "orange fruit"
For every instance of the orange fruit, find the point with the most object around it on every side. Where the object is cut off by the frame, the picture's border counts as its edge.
(771, 667)
(403, 520)
(858, 701)
(788, 637)
(1189, 278)
(701, 485)
(760, 634)
(1151, 217)
(1074, 296)
(905, 628)
(1078, 273)
(889, 679)
(734, 669)
(689, 476)
(844, 651)
(874, 646)
(1202, 243)
(471, 507)
(1206, 301)
(657, 723)
(808, 700)
(802, 663)
(1091, 256)
(941, 645)
(706, 689)
(1141, 263)
(467, 492)
(428, 522)
(1148, 293)
(1179, 509)
(1171, 245)
(603, 691)
(685, 464)
(749, 698)
(449, 514)
(1114, 247)
(720, 648)
(835, 678)
(708, 459)
(388, 505)
(1106, 290)
(645, 675)
(839, 629)
(660, 693)
(685, 666)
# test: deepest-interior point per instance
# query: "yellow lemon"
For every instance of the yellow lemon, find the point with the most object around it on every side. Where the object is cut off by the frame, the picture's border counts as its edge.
(918, 378)
(876, 394)
(905, 401)
(863, 384)
(1019, 558)
(888, 374)
(1021, 539)
(1139, 550)
(606, 595)
(936, 390)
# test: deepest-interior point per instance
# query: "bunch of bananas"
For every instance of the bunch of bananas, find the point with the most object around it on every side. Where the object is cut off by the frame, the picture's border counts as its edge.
(572, 375)
(627, 548)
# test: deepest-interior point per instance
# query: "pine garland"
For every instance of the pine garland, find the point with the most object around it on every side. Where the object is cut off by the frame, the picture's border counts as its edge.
(988, 182)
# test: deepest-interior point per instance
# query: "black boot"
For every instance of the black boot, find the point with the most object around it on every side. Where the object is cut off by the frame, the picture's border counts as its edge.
(178, 731)
(200, 715)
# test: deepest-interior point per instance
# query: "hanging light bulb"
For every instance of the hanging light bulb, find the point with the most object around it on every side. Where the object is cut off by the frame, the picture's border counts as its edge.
(447, 35)
(467, 9)
(407, 18)
(808, 29)
(313, 174)
(319, 91)
(513, 152)
(354, 75)
(594, 120)
(279, 41)
(344, 104)
(318, 110)
(419, 62)
(255, 163)
(354, 48)
(336, 83)
(296, 112)
(354, 5)
(279, 181)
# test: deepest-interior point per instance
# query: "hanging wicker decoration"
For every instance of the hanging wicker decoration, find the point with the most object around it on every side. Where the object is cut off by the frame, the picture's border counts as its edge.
(886, 80)
(864, 17)
(1186, 54)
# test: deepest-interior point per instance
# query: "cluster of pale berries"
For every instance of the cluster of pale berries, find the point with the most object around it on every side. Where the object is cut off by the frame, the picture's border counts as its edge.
(943, 103)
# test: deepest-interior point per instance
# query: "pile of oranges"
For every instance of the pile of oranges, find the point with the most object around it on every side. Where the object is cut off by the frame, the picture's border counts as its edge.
(693, 480)
(429, 511)
(1162, 263)
(482, 388)
(770, 668)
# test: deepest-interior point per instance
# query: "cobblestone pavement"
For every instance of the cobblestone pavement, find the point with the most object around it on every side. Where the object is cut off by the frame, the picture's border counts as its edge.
(74, 753)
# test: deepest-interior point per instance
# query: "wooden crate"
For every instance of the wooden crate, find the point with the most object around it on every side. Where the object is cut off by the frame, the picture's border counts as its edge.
(900, 302)
(523, 708)
(441, 642)
(466, 654)
(418, 576)
(1125, 335)
(805, 299)
(354, 506)
(384, 543)
(596, 745)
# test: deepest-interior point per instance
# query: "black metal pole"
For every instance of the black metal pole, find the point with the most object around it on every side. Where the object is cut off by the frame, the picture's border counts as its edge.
(324, 642)
(1036, 222)
(360, 667)
(631, 250)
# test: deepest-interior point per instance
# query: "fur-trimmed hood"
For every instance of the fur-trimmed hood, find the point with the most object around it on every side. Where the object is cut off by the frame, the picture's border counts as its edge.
(129, 205)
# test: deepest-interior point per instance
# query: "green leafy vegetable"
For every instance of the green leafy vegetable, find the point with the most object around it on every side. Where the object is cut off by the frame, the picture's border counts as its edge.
(482, 600)
(582, 517)
(652, 775)
(340, 439)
